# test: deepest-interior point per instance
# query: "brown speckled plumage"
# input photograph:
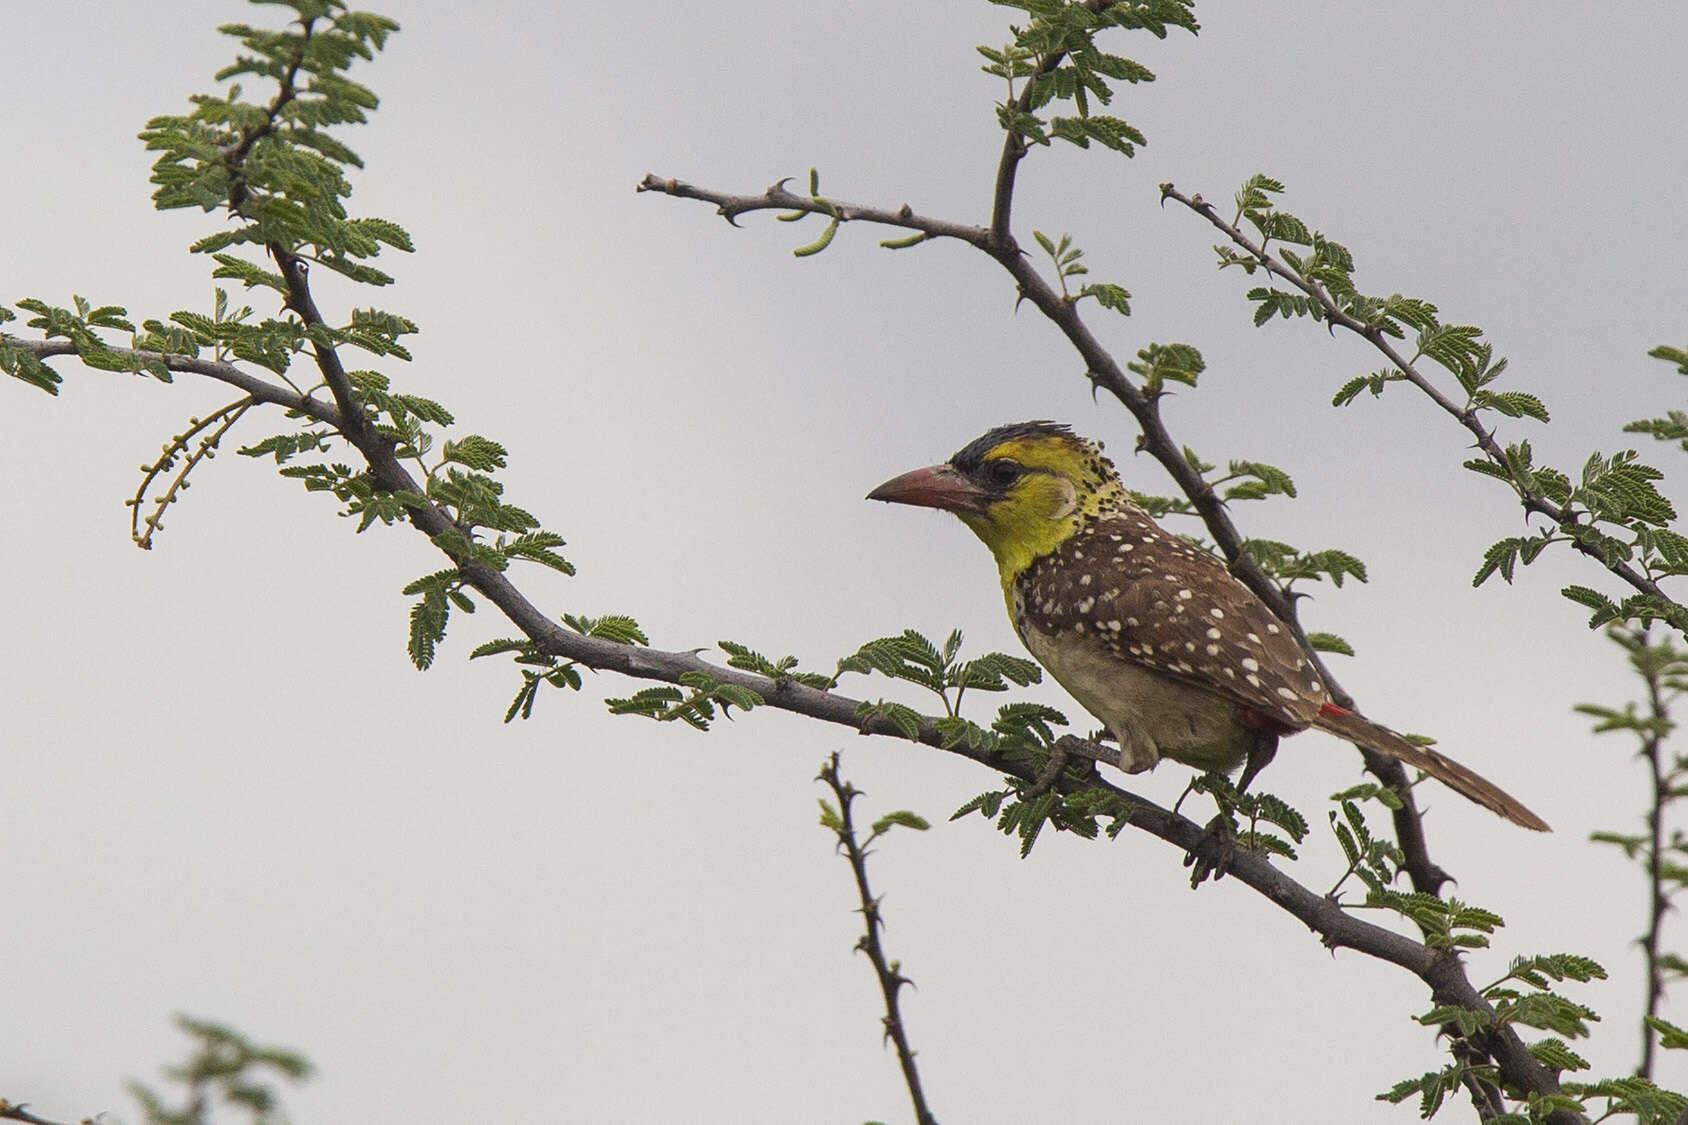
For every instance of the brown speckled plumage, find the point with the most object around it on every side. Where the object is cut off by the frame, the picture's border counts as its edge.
(1156, 599)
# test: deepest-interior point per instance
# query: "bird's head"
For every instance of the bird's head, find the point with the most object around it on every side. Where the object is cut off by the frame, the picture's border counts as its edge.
(1023, 489)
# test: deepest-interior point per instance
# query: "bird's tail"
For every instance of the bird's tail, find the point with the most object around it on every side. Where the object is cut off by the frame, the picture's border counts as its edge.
(1358, 729)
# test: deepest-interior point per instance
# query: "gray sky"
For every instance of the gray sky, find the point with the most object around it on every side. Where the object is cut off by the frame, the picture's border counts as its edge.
(230, 795)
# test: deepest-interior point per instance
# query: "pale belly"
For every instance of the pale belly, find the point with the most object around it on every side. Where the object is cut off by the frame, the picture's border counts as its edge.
(1152, 716)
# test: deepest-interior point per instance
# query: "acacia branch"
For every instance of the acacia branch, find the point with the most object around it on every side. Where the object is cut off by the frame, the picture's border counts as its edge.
(353, 422)
(779, 198)
(20, 1112)
(1106, 373)
(889, 973)
(256, 387)
(1658, 903)
(1532, 501)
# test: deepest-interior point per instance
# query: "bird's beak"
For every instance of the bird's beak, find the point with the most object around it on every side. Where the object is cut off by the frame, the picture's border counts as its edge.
(936, 486)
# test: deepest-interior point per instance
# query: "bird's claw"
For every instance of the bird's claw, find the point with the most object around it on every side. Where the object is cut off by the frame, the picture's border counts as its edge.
(1213, 852)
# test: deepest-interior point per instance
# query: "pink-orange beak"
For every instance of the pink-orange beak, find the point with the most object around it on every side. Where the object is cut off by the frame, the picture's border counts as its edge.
(936, 486)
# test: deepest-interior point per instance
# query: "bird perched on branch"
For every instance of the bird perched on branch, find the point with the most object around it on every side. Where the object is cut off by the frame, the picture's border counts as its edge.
(1150, 633)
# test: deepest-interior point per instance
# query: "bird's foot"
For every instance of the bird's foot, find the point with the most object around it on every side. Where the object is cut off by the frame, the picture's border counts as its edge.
(1213, 852)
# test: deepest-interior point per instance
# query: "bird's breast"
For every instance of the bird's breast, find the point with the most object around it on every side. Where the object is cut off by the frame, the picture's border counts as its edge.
(1179, 720)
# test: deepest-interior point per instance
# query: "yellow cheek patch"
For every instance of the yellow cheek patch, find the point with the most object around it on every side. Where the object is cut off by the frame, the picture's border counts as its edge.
(1036, 516)
(1064, 482)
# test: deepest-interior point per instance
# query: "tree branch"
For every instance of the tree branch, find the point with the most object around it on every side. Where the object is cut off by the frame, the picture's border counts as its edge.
(259, 389)
(889, 973)
(353, 423)
(777, 198)
(20, 1112)
(1532, 502)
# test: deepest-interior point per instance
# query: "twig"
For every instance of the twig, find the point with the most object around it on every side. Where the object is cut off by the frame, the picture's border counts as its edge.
(778, 198)
(1658, 901)
(889, 973)
(178, 446)
(353, 422)
(258, 389)
(20, 1112)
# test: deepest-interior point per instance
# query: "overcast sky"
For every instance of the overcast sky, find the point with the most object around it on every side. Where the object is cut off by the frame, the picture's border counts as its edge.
(228, 793)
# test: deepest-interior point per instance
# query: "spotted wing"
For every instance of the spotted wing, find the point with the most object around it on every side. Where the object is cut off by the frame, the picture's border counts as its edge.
(1157, 600)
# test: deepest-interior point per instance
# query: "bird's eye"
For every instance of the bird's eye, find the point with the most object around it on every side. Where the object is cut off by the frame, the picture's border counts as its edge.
(1002, 472)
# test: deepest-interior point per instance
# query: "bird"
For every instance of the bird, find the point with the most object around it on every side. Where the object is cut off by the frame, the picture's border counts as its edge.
(1148, 631)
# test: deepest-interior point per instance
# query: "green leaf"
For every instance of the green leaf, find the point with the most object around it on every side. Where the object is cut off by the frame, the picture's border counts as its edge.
(994, 671)
(901, 818)
(1329, 642)
(905, 719)
(1350, 390)
(616, 627)
(985, 804)
(1669, 354)
(1109, 132)
(1513, 404)
(1501, 557)
(427, 626)
(1604, 608)
(535, 546)
(1109, 296)
(907, 656)
(1671, 1037)
(23, 366)
(1465, 1021)
(1159, 364)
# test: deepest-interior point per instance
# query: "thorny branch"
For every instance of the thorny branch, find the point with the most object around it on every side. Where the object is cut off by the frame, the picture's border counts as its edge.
(1658, 902)
(889, 973)
(14, 1112)
(1532, 501)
